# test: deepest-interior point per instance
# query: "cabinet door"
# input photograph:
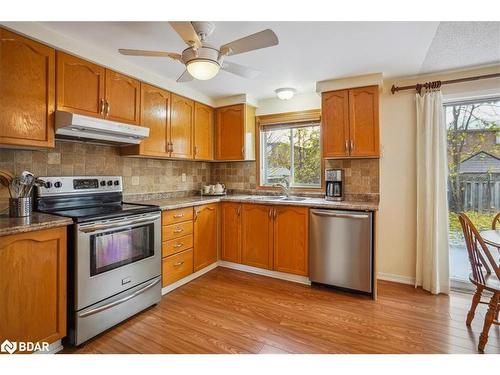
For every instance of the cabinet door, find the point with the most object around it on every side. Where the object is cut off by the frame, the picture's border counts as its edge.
(231, 232)
(203, 132)
(80, 86)
(155, 114)
(27, 91)
(123, 98)
(291, 240)
(257, 235)
(363, 121)
(181, 127)
(33, 286)
(230, 132)
(205, 236)
(335, 123)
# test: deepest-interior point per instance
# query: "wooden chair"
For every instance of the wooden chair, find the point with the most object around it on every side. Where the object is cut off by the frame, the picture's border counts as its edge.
(481, 260)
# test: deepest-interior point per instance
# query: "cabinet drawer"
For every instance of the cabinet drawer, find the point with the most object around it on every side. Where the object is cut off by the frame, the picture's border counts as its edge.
(177, 266)
(177, 216)
(172, 231)
(176, 245)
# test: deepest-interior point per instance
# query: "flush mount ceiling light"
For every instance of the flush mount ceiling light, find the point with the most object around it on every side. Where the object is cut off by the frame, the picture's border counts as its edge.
(285, 93)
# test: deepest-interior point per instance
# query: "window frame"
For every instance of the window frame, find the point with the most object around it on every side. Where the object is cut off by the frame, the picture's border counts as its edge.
(312, 115)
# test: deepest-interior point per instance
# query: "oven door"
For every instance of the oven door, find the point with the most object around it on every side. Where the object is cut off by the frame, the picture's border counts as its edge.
(115, 255)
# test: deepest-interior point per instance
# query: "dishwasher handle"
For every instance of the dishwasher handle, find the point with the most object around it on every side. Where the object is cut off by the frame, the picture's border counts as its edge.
(339, 215)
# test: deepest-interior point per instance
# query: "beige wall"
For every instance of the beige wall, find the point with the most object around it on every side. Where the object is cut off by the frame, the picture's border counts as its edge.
(397, 232)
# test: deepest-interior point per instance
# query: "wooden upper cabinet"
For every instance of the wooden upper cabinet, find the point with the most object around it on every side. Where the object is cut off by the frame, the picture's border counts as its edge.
(203, 132)
(291, 239)
(231, 232)
(27, 91)
(80, 86)
(235, 132)
(335, 123)
(364, 121)
(181, 127)
(123, 98)
(155, 115)
(33, 286)
(257, 236)
(350, 123)
(205, 236)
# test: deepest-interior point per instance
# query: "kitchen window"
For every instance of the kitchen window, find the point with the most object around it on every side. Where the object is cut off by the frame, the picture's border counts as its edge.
(290, 151)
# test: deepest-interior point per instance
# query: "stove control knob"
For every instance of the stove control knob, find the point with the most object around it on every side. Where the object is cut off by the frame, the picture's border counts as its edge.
(117, 182)
(110, 183)
(48, 185)
(103, 183)
(57, 184)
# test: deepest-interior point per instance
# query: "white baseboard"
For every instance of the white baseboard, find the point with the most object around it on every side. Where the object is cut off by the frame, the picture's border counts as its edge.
(187, 279)
(396, 278)
(264, 272)
(55, 347)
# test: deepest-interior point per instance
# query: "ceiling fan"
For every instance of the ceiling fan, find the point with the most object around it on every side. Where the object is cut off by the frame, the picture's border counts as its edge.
(204, 61)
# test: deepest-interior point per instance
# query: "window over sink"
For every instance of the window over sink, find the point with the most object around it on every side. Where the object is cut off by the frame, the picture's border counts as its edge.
(290, 151)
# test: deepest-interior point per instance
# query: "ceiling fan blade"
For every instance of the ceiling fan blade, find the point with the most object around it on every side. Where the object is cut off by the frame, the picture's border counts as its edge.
(187, 32)
(185, 77)
(140, 52)
(262, 39)
(240, 70)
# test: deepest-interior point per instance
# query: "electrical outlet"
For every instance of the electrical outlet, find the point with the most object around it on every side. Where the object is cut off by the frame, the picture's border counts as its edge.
(183, 177)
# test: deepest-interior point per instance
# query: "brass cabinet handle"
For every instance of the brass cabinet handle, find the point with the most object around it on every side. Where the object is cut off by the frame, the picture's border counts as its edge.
(177, 245)
(195, 150)
(243, 152)
(238, 210)
(171, 147)
(270, 213)
(346, 146)
(178, 216)
(275, 213)
(352, 145)
(196, 212)
(108, 108)
(178, 230)
(178, 264)
(103, 105)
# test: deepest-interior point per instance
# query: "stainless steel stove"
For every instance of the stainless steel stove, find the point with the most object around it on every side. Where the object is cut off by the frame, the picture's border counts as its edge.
(114, 251)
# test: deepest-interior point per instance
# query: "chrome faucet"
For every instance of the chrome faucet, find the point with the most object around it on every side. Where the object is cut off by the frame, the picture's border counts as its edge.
(284, 186)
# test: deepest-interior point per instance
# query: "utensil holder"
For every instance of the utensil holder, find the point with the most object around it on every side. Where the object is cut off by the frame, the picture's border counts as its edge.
(20, 207)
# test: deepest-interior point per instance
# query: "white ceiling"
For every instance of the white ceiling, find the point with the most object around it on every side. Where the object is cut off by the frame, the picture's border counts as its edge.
(308, 51)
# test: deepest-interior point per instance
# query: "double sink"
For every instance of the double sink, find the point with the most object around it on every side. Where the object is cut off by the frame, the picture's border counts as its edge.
(276, 198)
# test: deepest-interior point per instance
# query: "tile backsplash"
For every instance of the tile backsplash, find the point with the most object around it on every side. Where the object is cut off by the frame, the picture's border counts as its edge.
(139, 175)
(164, 177)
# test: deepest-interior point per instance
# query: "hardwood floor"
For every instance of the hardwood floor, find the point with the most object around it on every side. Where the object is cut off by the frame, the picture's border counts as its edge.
(229, 311)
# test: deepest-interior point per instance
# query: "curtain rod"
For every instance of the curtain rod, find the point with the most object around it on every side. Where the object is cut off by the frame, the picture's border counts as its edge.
(437, 84)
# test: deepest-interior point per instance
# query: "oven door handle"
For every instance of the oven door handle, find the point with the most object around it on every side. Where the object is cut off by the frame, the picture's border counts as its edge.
(120, 301)
(93, 228)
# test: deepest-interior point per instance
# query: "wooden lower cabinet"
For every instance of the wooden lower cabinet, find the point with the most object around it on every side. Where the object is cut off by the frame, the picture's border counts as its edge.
(270, 237)
(177, 266)
(291, 238)
(205, 236)
(231, 232)
(33, 286)
(257, 236)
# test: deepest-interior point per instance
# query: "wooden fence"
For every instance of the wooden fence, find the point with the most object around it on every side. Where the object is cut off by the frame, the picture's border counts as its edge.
(482, 196)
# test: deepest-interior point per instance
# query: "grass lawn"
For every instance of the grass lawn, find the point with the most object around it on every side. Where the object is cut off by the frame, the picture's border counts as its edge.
(482, 220)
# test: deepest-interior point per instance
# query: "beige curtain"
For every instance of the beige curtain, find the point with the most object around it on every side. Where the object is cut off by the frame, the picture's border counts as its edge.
(432, 271)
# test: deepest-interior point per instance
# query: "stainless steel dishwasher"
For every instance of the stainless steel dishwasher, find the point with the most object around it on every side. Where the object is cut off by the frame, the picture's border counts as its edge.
(341, 249)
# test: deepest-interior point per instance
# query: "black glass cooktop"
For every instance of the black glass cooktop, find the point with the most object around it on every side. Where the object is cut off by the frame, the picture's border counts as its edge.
(103, 211)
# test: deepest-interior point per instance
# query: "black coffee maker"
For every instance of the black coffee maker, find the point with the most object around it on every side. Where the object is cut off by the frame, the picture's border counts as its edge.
(334, 181)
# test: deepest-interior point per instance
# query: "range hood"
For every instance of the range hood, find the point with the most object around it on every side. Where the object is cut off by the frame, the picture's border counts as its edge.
(73, 126)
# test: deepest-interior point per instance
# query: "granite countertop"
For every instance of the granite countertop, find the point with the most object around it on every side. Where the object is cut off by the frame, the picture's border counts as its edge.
(37, 221)
(175, 203)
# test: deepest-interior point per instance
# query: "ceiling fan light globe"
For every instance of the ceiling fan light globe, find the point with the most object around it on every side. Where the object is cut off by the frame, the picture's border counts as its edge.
(203, 70)
(285, 93)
